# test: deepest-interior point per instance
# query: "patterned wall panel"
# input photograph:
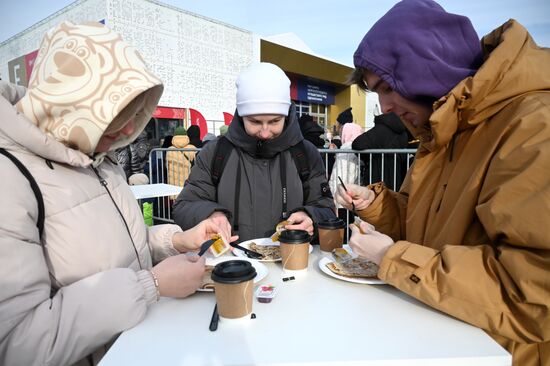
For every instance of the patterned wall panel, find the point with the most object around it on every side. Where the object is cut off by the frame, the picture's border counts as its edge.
(198, 59)
(29, 40)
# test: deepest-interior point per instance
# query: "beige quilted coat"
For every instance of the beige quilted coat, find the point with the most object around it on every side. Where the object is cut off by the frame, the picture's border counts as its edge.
(65, 296)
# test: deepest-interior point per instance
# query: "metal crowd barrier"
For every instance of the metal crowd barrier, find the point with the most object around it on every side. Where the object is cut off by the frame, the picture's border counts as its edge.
(371, 166)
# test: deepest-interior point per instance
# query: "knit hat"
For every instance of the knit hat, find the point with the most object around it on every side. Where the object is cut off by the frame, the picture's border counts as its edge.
(209, 136)
(263, 88)
(311, 130)
(223, 130)
(420, 50)
(345, 116)
(179, 131)
(305, 118)
(194, 132)
(350, 131)
(138, 179)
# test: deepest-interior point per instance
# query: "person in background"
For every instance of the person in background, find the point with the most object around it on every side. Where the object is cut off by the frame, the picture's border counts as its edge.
(333, 138)
(167, 142)
(344, 117)
(70, 283)
(311, 130)
(179, 162)
(138, 179)
(208, 137)
(223, 130)
(139, 152)
(123, 157)
(388, 132)
(134, 157)
(346, 165)
(194, 134)
(468, 232)
(249, 196)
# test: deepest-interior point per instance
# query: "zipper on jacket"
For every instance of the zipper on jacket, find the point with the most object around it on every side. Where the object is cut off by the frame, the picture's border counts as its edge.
(259, 148)
(103, 182)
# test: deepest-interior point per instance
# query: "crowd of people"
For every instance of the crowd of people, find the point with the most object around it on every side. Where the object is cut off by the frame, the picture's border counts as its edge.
(465, 232)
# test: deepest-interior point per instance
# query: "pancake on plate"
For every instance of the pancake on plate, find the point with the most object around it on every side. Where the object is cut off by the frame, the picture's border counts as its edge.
(346, 265)
(268, 252)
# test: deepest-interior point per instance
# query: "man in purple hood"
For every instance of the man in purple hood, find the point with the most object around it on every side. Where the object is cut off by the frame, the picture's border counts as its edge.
(467, 232)
(419, 52)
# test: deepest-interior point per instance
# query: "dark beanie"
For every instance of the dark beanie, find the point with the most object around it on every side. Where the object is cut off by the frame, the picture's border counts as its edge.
(194, 132)
(179, 131)
(305, 118)
(311, 130)
(420, 50)
(345, 117)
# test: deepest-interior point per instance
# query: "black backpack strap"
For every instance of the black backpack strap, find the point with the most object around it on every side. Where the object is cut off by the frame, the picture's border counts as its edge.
(299, 156)
(221, 153)
(34, 186)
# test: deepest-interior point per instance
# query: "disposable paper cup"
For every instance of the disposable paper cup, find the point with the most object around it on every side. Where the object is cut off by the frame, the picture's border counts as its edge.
(331, 234)
(294, 249)
(233, 285)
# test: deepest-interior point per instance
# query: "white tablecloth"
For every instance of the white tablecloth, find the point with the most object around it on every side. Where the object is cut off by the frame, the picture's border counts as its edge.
(315, 320)
(155, 190)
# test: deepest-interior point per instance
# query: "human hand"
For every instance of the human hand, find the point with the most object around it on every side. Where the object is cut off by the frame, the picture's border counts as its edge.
(191, 240)
(372, 245)
(361, 197)
(179, 275)
(300, 221)
(223, 223)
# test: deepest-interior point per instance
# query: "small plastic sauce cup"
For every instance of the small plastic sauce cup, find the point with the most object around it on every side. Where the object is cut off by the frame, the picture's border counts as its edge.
(265, 293)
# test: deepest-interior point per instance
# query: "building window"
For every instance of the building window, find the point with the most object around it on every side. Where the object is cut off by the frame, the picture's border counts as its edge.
(159, 128)
(317, 111)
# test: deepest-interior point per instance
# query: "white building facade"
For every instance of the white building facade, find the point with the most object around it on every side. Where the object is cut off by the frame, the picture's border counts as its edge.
(197, 58)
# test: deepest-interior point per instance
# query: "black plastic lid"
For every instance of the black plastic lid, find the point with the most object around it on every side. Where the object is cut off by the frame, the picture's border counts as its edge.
(294, 237)
(233, 271)
(332, 224)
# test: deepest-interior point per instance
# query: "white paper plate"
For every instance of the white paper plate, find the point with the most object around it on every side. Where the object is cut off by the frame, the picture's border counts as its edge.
(260, 241)
(367, 281)
(261, 269)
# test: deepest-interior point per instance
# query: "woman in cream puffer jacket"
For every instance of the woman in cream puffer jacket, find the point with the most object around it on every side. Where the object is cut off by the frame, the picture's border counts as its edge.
(68, 292)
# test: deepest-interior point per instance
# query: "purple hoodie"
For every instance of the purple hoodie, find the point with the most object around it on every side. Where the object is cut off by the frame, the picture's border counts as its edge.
(420, 50)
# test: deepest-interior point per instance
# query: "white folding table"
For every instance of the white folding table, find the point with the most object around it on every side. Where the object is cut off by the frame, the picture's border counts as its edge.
(155, 190)
(314, 320)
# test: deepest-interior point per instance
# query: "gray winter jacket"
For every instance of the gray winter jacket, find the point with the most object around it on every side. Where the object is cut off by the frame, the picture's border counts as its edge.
(260, 202)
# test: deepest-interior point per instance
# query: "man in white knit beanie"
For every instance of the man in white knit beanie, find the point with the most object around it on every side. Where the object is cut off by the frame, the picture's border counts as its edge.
(263, 88)
(260, 185)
